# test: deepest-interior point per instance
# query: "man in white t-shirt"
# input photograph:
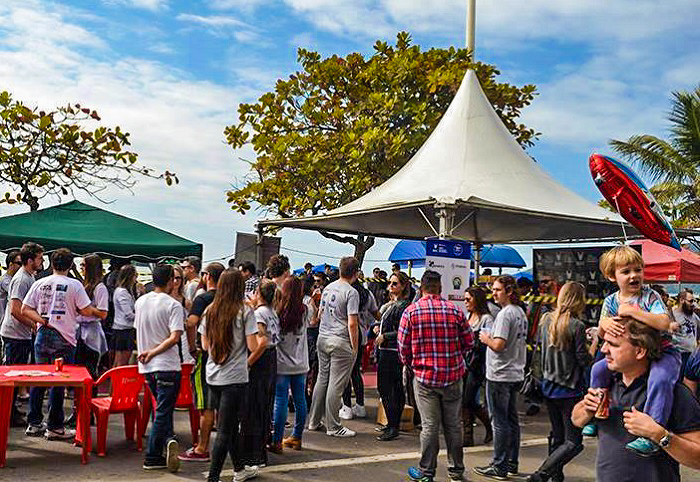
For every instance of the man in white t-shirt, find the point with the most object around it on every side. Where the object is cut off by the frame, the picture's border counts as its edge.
(159, 324)
(53, 304)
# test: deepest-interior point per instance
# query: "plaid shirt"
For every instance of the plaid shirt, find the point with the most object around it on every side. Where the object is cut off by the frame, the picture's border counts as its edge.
(434, 338)
(251, 284)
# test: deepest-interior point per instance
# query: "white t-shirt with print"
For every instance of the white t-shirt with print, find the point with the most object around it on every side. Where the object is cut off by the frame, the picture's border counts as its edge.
(58, 299)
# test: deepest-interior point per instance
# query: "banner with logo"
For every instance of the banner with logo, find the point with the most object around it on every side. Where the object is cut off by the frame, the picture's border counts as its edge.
(450, 258)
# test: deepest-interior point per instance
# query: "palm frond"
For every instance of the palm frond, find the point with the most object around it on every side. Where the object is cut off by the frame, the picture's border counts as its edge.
(654, 157)
(685, 124)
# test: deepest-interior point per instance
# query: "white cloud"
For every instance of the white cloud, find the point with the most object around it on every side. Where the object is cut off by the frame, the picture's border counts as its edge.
(152, 5)
(176, 122)
(222, 26)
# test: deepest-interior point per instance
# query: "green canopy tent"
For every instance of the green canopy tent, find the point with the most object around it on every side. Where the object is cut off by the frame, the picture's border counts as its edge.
(87, 229)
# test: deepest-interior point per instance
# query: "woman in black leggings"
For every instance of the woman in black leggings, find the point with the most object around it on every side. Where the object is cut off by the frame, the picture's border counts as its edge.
(228, 332)
(564, 360)
(390, 369)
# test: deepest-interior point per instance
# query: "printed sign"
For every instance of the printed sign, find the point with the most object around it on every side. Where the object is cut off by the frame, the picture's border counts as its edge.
(452, 260)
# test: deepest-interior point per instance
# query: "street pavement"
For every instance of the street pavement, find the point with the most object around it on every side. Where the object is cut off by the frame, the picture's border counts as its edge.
(323, 458)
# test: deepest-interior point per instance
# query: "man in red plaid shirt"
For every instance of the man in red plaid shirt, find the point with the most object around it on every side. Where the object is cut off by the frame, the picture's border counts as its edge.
(434, 338)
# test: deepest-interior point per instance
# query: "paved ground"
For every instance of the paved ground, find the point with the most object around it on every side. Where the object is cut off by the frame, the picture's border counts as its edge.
(360, 459)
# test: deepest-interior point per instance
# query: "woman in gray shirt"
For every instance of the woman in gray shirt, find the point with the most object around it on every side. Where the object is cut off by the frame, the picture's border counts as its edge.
(229, 331)
(292, 363)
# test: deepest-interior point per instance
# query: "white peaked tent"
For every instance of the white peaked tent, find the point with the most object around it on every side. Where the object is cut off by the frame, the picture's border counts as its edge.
(476, 177)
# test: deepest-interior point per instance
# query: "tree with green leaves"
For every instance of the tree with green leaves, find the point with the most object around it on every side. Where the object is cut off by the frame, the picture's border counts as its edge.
(673, 164)
(54, 154)
(341, 126)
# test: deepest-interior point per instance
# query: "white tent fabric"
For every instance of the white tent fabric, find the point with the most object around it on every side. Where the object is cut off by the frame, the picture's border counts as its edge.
(471, 161)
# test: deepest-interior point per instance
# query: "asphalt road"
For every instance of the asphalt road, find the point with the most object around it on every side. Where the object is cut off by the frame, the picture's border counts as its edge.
(359, 459)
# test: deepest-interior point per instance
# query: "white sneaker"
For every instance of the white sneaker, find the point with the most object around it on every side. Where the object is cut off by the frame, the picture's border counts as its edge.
(359, 411)
(342, 432)
(248, 472)
(35, 430)
(345, 413)
(60, 434)
(172, 450)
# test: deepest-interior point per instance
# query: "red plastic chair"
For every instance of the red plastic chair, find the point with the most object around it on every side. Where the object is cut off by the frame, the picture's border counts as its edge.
(185, 399)
(126, 386)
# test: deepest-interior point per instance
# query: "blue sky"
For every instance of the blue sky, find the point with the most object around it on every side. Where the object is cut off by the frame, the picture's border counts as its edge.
(173, 73)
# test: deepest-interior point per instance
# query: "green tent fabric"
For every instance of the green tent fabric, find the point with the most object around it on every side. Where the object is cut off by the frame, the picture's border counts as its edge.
(87, 229)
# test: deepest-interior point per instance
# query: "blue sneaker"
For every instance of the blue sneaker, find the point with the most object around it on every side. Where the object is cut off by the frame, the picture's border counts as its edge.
(416, 474)
(643, 446)
(590, 430)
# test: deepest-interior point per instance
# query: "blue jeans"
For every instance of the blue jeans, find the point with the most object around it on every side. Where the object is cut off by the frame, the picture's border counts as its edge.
(164, 386)
(17, 352)
(298, 384)
(48, 346)
(502, 398)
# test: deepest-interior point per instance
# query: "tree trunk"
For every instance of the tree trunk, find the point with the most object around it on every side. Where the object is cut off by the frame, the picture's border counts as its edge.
(361, 242)
(31, 200)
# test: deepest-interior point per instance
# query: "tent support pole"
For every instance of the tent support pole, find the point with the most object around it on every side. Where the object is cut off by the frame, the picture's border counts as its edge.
(410, 265)
(446, 217)
(259, 247)
(477, 262)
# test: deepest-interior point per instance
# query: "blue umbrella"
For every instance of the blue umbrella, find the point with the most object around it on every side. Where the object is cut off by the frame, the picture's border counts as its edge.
(492, 256)
(524, 274)
(319, 268)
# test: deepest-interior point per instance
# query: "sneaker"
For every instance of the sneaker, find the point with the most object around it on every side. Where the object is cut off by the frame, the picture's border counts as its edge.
(381, 428)
(190, 455)
(35, 430)
(359, 411)
(342, 432)
(532, 410)
(345, 413)
(316, 428)
(416, 474)
(248, 472)
(387, 435)
(292, 442)
(455, 476)
(275, 448)
(491, 472)
(643, 446)
(590, 430)
(512, 470)
(155, 464)
(59, 434)
(172, 449)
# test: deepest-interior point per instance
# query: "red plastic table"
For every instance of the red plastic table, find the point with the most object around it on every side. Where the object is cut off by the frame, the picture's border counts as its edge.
(71, 376)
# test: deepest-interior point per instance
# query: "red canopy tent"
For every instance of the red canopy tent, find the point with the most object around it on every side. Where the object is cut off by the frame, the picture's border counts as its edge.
(665, 264)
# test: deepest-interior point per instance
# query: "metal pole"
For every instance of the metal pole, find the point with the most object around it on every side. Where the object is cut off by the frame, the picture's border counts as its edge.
(410, 265)
(477, 262)
(446, 217)
(471, 25)
(259, 247)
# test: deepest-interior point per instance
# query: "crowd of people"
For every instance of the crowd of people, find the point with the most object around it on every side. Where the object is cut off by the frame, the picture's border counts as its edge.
(262, 344)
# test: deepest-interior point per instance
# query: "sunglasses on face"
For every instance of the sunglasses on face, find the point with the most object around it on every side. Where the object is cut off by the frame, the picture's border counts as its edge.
(467, 298)
(394, 283)
(177, 277)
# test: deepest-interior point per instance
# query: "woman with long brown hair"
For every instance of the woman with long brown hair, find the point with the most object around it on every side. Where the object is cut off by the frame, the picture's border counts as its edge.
(124, 333)
(390, 368)
(229, 331)
(565, 358)
(178, 293)
(292, 363)
(479, 318)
